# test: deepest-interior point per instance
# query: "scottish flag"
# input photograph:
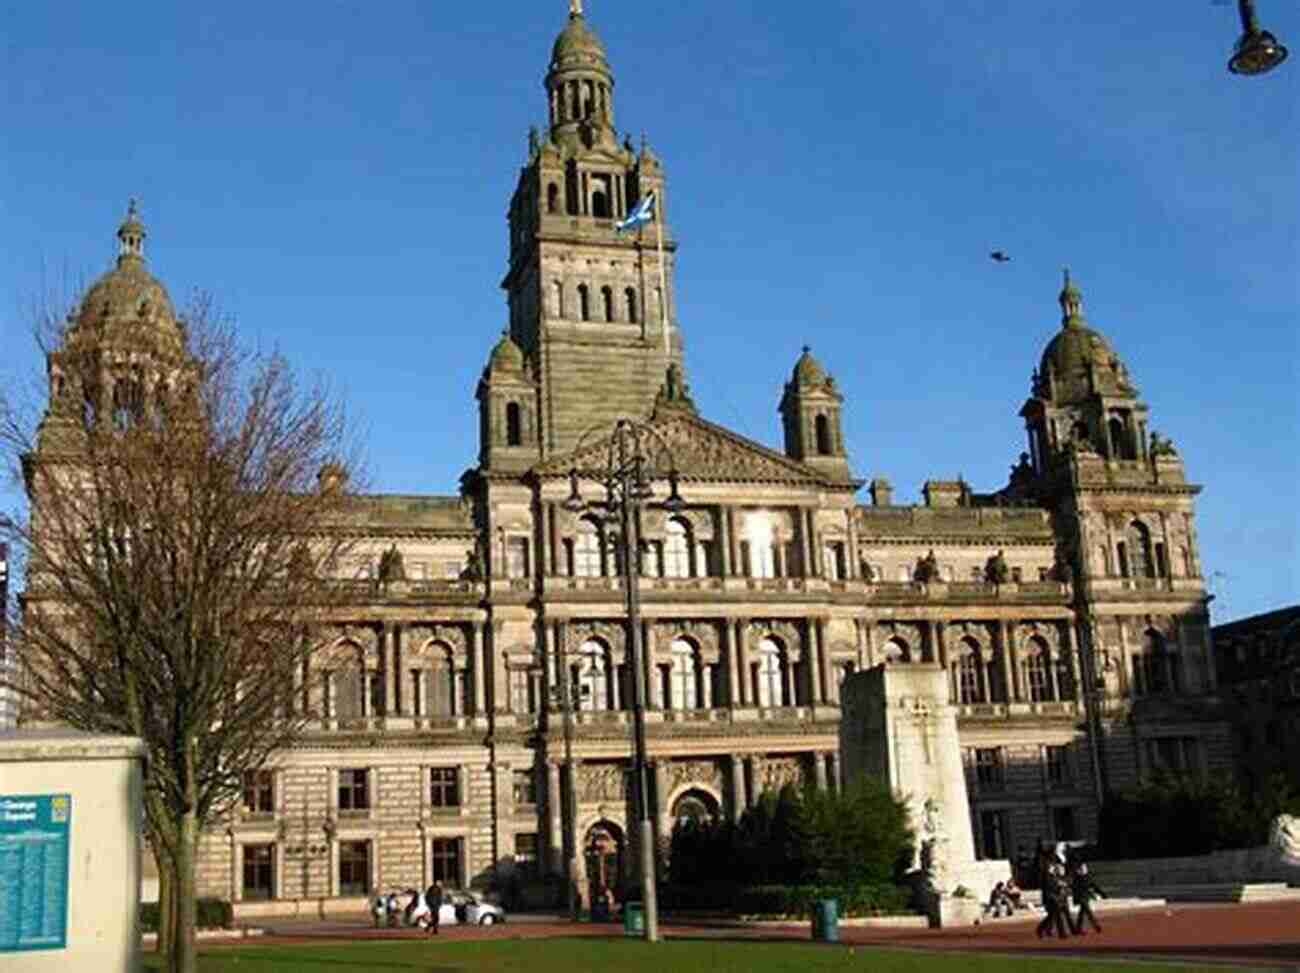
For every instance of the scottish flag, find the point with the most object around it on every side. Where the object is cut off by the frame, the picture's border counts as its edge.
(640, 216)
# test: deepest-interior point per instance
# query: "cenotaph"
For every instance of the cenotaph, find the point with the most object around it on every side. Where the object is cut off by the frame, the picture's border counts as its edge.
(897, 724)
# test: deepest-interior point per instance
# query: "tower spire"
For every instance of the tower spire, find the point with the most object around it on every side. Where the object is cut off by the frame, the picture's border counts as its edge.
(575, 8)
(131, 234)
(1071, 299)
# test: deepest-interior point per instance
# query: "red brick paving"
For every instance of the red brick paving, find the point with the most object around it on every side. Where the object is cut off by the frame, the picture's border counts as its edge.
(1263, 934)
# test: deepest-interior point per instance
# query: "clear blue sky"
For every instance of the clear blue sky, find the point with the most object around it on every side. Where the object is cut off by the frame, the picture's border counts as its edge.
(338, 175)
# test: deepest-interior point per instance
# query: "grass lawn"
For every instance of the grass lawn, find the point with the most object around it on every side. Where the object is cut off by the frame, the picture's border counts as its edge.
(625, 956)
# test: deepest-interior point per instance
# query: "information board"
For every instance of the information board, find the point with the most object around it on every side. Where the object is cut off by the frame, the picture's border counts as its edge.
(34, 871)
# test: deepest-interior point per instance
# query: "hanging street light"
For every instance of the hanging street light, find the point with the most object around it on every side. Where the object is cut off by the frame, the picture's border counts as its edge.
(627, 476)
(1257, 51)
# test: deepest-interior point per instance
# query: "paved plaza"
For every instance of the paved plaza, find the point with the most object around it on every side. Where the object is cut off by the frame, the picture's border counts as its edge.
(1265, 935)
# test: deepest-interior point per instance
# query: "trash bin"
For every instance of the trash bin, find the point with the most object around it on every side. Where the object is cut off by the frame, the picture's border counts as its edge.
(633, 919)
(826, 921)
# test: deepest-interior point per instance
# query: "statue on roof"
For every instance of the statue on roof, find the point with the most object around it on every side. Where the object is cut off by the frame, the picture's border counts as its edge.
(927, 568)
(996, 570)
(392, 567)
(1161, 445)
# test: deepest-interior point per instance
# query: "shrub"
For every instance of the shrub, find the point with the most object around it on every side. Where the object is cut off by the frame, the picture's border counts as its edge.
(209, 914)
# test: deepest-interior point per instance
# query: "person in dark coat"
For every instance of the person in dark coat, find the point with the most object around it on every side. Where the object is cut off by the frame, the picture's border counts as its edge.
(1054, 903)
(1083, 888)
(433, 898)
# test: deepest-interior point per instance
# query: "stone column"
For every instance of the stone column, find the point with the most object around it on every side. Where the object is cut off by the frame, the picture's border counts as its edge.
(749, 779)
(478, 669)
(837, 779)
(1010, 673)
(733, 561)
(739, 800)
(868, 643)
(819, 770)
(1070, 649)
(791, 690)
(550, 652)
(553, 808)
(661, 795)
(1125, 665)
(553, 538)
(650, 672)
(728, 641)
(392, 684)
(830, 692)
(723, 542)
(851, 569)
(742, 664)
(806, 543)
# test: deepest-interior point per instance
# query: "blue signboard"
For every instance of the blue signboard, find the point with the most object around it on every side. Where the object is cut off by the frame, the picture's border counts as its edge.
(34, 871)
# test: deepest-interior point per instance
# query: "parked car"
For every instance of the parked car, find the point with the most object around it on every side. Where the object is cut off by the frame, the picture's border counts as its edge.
(470, 909)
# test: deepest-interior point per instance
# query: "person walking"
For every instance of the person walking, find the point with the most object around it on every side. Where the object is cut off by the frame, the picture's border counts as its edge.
(433, 898)
(1083, 888)
(1054, 903)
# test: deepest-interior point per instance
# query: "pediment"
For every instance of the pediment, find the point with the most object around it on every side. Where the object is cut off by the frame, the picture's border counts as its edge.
(699, 449)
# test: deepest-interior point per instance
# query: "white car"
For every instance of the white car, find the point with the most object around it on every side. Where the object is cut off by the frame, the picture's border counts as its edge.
(458, 909)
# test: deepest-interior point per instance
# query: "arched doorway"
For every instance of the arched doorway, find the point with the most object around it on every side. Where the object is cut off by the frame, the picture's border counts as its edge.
(695, 807)
(603, 848)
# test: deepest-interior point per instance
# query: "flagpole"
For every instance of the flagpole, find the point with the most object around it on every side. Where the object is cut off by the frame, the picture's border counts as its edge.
(663, 282)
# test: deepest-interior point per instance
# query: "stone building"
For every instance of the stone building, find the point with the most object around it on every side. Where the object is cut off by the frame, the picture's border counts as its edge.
(1258, 664)
(1067, 606)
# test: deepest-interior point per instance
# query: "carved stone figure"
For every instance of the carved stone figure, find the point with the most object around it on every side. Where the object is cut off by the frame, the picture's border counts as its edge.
(1161, 445)
(392, 567)
(927, 568)
(996, 570)
(1284, 838)
(473, 567)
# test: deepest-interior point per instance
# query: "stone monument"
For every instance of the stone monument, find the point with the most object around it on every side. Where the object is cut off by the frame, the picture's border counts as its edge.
(898, 725)
(70, 815)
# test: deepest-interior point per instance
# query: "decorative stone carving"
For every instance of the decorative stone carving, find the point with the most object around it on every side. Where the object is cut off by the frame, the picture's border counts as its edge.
(612, 634)
(601, 782)
(996, 570)
(365, 636)
(1284, 838)
(703, 634)
(776, 772)
(417, 637)
(683, 772)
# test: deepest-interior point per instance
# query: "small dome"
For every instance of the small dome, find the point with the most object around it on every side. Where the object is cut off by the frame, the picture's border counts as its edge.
(1078, 349)
(577, 42)
(128, 302)
(807, 370)
(506, 356)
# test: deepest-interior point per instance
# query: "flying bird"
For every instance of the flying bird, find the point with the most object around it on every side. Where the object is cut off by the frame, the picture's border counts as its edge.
(999, 257)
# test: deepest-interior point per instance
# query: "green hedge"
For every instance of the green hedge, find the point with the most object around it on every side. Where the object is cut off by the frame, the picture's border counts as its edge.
(210, 913)
(788, 900)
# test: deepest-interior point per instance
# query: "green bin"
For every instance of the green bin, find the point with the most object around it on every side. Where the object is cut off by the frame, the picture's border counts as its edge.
(826, 921)
(633, 919)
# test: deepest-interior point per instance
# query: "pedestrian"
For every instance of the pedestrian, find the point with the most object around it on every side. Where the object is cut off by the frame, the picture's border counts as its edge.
(433, 898)
(1084, 888)
(1054, 903)
(379, 909)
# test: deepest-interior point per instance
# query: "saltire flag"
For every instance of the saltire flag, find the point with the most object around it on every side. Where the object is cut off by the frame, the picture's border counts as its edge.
(640, 216)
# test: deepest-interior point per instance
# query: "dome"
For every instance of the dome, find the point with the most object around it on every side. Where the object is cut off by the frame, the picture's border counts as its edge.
(807, 370)
(577, 42)
(1077, 351)
(128, 302)
(506, 356)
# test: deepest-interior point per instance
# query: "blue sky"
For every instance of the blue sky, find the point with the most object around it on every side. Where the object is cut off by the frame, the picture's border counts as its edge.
(337, 174)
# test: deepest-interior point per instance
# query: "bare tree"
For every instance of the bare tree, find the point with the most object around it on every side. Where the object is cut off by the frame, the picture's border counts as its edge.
(182, 499)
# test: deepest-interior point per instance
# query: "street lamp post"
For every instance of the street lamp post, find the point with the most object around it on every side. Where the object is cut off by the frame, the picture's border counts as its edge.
(1257, 51)
(569, 697)
(627, 476)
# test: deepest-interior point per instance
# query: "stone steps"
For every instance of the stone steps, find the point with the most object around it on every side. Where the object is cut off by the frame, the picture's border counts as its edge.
(1217, 892)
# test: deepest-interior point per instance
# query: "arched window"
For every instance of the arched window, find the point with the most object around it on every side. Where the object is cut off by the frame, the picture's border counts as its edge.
(552, 198)
(629, 297)
(1037, 672)
(677, 549)
(1120, 443)
(769, 674)
(897, 650)
(587, 550)
(607, 299)
(600, 205)
(127, 403)
(559, 299)
(442, 681)
(684, 676)
(514, 425)
(1155, 670)
(584, 302)
(1141, 564)
(823, 427)
(593, 677)
(970, 674)
(695, 808)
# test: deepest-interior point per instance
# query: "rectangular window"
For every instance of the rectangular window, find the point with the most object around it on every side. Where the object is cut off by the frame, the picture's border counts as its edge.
(526, 853)
(374, 692)
(1057, 760)
(517, 557)
(1173, 755)
(444, 787)
(836, 565)
(354, 791)
(525, 787)
(1017, 574)
(259, 872)
(259, 792)
(995, 839)
(354, 868)
(988, 768)
(445, 860)
(523, 690)
(1065, 824)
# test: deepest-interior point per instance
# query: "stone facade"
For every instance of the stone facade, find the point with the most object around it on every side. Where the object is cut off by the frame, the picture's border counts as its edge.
(1066, 609)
